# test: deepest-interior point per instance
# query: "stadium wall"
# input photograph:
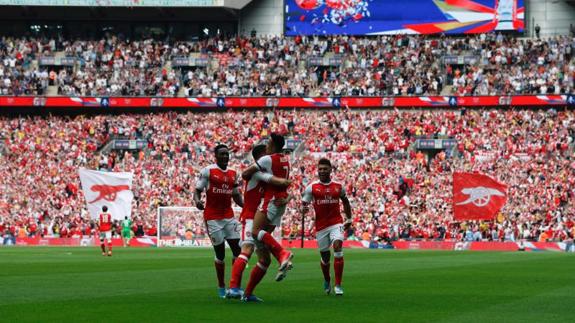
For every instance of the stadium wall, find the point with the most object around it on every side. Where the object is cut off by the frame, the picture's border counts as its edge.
(263, 16)
(202, 103)
(308, 244)
(553, 16)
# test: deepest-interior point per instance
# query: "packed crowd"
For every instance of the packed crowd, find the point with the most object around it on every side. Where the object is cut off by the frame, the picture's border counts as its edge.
(516, 66)
(120, 68)
(18, 76)
(396, 191)
(280, 66)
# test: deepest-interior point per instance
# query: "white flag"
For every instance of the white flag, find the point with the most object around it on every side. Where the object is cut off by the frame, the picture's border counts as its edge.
(111, 189)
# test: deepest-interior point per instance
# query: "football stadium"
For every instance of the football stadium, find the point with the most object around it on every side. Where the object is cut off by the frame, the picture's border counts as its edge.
(287, 160)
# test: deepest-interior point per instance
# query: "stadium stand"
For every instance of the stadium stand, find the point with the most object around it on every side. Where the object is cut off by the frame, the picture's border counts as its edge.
(397, 191)
(94, 52)
(281, 66)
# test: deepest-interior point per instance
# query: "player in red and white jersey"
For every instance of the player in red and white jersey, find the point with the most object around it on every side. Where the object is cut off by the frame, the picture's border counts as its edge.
(254, 188)
(325, 195)
(221, 186)
(105, 228)
(277, 164)
(253, 194)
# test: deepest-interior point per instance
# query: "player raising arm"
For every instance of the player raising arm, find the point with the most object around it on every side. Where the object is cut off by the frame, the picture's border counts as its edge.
(325, 195)
(221, 186)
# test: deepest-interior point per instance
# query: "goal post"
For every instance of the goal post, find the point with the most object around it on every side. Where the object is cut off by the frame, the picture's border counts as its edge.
(180, 226)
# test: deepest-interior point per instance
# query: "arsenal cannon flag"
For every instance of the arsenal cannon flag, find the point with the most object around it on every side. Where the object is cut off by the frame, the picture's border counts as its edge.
(477, 197)
(105, 188)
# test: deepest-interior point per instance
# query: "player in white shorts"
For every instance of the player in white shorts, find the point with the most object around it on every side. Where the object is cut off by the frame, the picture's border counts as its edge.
(253, 195)
(221, 186)
(325, 195)
(105, 227)
(276, 163)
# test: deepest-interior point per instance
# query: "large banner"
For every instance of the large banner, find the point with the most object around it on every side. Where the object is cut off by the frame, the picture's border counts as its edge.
(477, 196)
(104, 103)
(379, 17)
(113, 190)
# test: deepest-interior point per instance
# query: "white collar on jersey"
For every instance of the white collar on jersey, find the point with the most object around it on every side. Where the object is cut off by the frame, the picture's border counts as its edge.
(218, 167)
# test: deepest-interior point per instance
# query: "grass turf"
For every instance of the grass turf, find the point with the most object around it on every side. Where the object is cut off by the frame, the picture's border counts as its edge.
(175, 285)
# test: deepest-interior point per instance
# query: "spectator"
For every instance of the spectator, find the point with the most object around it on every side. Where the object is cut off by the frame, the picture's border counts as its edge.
(279, 66)
(529, 150)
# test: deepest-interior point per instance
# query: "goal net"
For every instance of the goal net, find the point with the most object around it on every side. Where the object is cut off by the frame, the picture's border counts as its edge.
(181, 227)
(185, 227)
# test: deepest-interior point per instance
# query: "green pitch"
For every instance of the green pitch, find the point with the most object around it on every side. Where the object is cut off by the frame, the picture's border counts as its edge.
(179, 285)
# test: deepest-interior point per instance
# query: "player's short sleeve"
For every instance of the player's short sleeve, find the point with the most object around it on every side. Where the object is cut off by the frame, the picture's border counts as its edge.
(263, 177)
(202, 182)
(265, 164)
(307, 194)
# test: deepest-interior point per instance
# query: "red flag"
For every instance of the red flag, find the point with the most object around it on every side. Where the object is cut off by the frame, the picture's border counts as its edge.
(477, 197)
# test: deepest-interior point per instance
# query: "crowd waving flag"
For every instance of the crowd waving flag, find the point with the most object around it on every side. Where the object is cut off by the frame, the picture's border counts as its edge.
(106, 188)
(477, 196)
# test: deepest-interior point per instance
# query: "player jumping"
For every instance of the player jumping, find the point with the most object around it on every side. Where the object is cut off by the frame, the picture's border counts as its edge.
(105, 228)
(221, 185)
(326, 195)
(253, 195)
(278, 165)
